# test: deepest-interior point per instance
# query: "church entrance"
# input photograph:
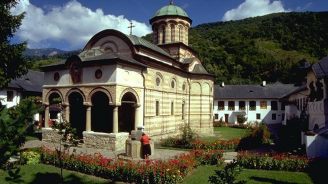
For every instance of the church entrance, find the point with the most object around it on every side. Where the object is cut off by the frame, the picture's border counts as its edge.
(101, 113)
(126, 113)
(77, 113)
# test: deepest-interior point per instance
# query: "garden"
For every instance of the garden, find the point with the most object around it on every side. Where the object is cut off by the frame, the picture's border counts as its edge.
(203, 162)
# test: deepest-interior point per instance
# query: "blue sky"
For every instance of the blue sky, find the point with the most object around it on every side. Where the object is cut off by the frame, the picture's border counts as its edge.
(68, 24)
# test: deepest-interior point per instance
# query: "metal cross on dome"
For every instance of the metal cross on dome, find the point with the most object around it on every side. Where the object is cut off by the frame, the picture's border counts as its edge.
(131, 27)
(171, 1)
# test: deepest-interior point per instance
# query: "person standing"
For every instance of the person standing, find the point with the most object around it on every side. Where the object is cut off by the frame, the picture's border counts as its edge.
(145, 143)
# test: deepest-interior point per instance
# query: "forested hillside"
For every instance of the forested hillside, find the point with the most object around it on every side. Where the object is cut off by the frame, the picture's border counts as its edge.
(261, 48)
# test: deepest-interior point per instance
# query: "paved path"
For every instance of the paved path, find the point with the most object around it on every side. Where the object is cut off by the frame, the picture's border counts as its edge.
(160, 154)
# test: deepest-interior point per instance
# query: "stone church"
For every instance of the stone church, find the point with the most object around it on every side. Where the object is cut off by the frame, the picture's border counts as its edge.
(120, 82)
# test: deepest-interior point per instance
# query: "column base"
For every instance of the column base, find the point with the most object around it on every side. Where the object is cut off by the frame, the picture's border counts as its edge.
(110, 141)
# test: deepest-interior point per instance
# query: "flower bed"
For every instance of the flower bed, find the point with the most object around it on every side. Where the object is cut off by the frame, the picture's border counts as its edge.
(216, 145)
(148, 171)
(273, 161)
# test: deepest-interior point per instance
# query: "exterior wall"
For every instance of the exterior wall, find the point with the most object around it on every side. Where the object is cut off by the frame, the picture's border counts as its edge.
(109, 76)
(3, 98)
(196, 105)
(266, 114)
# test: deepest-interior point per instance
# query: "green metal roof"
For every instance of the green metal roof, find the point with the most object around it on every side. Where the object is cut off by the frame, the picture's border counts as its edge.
(139, 41)
(171, 10)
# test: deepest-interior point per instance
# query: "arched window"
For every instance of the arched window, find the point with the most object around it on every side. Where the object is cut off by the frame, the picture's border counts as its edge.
(163, 34)
(172, 33)
(180, 33)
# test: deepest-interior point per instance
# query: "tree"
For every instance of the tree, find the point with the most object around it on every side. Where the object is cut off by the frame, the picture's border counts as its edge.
(12, 63)
(13, 125)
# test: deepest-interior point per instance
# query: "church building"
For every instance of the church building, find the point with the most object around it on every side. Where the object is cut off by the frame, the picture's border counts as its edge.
(121, 82)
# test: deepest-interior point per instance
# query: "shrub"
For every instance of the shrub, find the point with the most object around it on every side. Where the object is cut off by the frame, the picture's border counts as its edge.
(219, 123)
(272, 161)
(216, 145)
(31, 157)
(183, 141)
(148, 171)
(241, 119)
(258, 136)
(227, 175)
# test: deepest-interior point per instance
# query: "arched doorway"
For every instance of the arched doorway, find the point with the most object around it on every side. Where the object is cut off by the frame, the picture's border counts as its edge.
(54, 108)
(101, 113)
(77, 113)
(126, 113)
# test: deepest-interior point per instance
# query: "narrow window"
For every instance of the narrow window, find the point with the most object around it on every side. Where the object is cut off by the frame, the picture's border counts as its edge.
(258, 116)
(10, 96)
(157, 108)
(231, 105)
(263, 104)
(181, 33)
(172, 108)
(163, 35)
(282, 116)
(183, 111)
(274, 105)
(274, 116)
(283, 104)
(172, 33)
(216, 116)
(242, 105)
(220, 105)
(252, 105)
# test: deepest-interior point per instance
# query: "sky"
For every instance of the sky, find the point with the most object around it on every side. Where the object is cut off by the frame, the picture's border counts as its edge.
(69, 24)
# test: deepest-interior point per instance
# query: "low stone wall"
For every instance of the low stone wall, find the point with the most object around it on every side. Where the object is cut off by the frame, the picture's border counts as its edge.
(133, 149)
(110, 141)
(50, 135)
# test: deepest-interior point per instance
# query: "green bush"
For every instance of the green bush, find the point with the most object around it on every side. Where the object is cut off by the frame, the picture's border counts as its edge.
(258, 136)
(273, 161)
(31, 157)
(228, 175)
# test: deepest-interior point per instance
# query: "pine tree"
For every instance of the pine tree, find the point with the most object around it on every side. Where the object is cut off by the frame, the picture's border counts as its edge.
(12, 63)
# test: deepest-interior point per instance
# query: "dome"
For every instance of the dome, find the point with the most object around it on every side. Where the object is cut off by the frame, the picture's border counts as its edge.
(171, 10)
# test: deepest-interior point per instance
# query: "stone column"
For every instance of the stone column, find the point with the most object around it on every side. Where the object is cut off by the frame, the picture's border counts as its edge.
(137, 121)
(67, 113)
(46, 117)
(88, 118)
(115, 119)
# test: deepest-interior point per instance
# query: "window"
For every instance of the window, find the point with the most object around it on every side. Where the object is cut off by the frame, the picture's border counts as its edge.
(53, 115)
(181, 33)
(216, 116)
(252, 105)
(158, 81)
(263, 104)
(274, 116)
(157, 108)
(56, 76)
(242, 105)
(172, 84)
(10, 96)
(183, 111)
(274, 105)
(258, 116)
(220, 105)
(282, 116)
(283, 106)
(231, 105)
(172, 33)
(184, 86)
(98, 74)
(172, 108)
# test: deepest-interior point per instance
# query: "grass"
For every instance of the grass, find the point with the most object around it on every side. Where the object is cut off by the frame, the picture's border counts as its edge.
(252, 176)
(226, 133)
(40, 174)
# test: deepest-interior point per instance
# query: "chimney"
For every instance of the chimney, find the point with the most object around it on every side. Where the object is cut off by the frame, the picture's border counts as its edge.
(264, 83)
(222, 84)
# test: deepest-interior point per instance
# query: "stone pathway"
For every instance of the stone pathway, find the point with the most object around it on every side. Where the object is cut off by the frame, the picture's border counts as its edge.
(160, 154)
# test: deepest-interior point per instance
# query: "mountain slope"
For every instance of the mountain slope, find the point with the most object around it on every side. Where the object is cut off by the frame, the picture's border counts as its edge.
(261, 48)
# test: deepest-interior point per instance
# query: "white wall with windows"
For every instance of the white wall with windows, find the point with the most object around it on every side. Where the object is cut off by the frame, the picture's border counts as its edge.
(9, 97)
(269, 111)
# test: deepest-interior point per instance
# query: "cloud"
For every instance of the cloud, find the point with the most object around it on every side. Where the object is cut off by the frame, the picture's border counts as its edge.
(72, 24)
(305, 7)
(253, 8)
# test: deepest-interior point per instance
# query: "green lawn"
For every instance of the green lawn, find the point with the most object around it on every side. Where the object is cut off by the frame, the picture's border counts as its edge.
(226, 133)
(46, 174)
(201, 174)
